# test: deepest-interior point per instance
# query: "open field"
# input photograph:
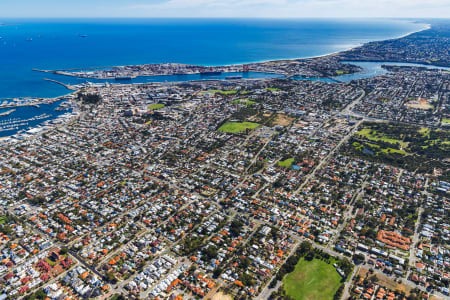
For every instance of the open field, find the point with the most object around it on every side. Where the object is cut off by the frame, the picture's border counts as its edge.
(282, 120)
(156, 106)
(392, 150)
(411, 147)
(286, 163)
(341, 72)
(232, 92)
(420, 104)
(243, 101)
(386, 281)
(312, 280)
(221, 296)
(236, 127)
(376, 136)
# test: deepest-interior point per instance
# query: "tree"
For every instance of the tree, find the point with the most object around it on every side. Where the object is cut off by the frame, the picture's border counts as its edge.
(306, 246)
(89, 98)
(309, 256)
(235, 228)
(359, 258)
(414, 296)
(338, 294)
(217, 271)
(111, 278)
(245, 262)
(38, 295)
(346, 266)
(210, 252)
(6, 229)
(246, 279)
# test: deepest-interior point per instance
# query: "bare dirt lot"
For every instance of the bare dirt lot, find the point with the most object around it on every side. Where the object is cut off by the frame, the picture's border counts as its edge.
(387, 282)
(419, 104)
(283, 120)
(221, 296)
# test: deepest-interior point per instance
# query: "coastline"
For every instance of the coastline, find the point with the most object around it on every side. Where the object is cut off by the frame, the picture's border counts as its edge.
(336, 53)
(426, 27)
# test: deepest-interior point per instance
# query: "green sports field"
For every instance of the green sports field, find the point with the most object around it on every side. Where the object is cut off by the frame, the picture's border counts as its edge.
(243, 101)
(156, 106)
(286, 163)
(221, 92)
(312, 280)
(236, 127)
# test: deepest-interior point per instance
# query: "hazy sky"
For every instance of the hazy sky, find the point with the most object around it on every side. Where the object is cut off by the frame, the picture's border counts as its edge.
(225, 8)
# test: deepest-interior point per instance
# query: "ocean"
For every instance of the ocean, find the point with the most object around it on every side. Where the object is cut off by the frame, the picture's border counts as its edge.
(81, 43)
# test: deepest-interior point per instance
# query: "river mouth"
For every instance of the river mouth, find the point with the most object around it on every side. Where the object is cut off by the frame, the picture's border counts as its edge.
(369, 69)
(84, 43)
(26, 117)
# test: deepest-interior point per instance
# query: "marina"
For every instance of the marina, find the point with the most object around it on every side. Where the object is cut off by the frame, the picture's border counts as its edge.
(25, 117)
(39, 105)
(224, 159)
(6, 113)
(15, 123)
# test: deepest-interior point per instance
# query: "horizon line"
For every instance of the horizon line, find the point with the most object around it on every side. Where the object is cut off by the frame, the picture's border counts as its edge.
(237, 18)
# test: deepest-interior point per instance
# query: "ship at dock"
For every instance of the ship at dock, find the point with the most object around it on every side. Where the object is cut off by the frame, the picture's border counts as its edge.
(123, 78)
(209, 71)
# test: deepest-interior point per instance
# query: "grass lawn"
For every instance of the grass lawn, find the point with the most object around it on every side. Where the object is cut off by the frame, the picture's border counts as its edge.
(273, 89)
(373, 135)
(50, 262)
(243, 101)
(286, 163)
(360, 147)
(425, 132)
(3, 220)
(236, 127)
(392, 150)
(232, 92)
(156, 106)
(445, 121)
(312, 280)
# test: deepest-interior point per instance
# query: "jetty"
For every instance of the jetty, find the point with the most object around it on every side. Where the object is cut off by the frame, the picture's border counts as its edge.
(67, 86)
(6, 113)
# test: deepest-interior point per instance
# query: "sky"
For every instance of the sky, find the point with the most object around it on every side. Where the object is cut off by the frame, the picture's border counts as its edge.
(225, 8)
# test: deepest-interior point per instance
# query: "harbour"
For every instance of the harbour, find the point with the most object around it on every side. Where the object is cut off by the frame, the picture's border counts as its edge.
(7, 113)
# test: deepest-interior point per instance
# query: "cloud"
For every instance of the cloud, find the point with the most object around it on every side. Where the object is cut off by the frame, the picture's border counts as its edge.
(225, 8)
(294, 8)
(230, 4)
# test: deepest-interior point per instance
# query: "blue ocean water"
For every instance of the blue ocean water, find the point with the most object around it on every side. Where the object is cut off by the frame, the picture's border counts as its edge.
(59, 44)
